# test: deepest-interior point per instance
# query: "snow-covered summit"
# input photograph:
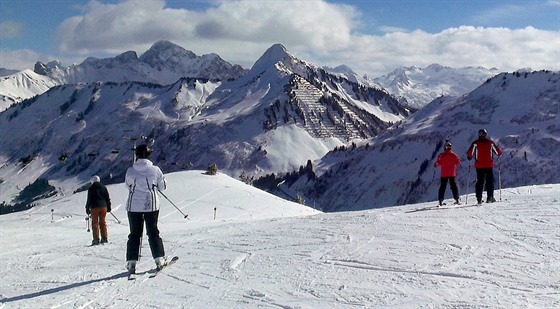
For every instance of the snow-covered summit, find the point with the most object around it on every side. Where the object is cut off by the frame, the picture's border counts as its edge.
(276, 54)
(422, 85)
(164, 63)
(165, 53)
(22, 85)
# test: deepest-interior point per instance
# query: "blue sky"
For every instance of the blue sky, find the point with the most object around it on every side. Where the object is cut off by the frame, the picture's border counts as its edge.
(371, 37)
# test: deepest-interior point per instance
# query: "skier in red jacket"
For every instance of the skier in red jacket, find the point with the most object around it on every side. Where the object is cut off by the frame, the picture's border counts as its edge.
(483, 150)
(448, 160)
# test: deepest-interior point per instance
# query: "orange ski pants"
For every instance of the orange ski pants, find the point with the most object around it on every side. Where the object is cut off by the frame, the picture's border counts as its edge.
(98, 222)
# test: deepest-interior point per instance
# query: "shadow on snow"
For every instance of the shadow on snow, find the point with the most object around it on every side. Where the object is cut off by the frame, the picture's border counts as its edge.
(62, 288)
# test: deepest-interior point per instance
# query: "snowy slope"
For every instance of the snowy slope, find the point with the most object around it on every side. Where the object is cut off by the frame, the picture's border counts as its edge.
(519, 110)
(421, 86)
(22, 85)
(261, 251)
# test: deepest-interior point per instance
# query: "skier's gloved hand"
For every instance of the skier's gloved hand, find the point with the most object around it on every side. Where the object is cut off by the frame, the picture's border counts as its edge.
(108, 208)
(469, 158)
(88, 211)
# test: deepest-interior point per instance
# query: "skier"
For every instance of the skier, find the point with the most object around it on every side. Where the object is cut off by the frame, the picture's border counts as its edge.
(448, 161)
(143, 180)
(483, 150)
(98, 204)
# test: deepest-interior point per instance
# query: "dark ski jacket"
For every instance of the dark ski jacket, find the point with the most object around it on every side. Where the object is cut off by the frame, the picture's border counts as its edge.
(483, 150)
(98, 196)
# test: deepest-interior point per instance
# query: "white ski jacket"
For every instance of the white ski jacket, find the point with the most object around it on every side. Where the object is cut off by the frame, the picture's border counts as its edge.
(143, 180)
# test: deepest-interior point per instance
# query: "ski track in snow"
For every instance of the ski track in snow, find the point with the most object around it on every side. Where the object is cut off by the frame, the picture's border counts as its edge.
(501, 255)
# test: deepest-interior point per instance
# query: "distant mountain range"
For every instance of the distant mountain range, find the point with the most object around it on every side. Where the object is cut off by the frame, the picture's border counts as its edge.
(276, 117)
(421, 86)
(164, 63)
(327, 136)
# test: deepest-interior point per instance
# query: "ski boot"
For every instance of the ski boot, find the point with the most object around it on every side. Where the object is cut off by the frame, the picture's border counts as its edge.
(131, 267)
(160, 263)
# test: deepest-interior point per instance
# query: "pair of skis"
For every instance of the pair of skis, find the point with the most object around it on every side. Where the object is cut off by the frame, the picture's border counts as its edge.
(154, 272)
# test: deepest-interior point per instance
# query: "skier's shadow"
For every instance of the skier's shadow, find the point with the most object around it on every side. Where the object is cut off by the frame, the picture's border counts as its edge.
(61, 288)
(439, 208)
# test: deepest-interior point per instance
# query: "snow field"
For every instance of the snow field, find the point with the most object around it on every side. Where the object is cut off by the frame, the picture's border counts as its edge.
(261, 251)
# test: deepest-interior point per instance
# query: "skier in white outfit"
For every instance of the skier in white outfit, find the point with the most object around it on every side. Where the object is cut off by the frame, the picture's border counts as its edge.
(143, 180)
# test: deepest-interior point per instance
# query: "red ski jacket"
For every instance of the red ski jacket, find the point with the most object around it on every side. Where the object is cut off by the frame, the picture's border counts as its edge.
(483, 150)
(448, 160)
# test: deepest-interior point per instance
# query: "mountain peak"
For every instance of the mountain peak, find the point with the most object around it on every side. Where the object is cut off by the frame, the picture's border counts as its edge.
(341, 69)
(274, 54)
(165, 53)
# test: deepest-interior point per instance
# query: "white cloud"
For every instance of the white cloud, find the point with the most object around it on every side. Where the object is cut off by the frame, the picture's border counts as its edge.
(317, 31)
(389, 29)
(503, 48)
(110, 27)
(19, 59)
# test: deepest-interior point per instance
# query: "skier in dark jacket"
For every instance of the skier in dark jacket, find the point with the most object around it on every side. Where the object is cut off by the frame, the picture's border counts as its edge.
(483, 150)
(98, 205)
(448, 161)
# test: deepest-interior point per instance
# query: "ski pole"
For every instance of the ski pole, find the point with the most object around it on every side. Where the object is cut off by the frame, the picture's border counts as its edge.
(467, 197)
(87, 220)
(186, 216)
(140, 247)
(118, 221)
(500, 178)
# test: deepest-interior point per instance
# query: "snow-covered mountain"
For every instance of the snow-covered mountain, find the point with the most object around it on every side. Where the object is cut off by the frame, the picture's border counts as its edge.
(164, 63)
(281, 114)
(520, 111)
(22, 85)
(421, 86)
(243, 248)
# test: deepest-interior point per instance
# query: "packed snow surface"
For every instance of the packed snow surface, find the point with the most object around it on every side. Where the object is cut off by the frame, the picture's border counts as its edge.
(243, 248)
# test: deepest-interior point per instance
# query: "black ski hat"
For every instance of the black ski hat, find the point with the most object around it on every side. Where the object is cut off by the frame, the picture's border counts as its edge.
(482, 132)
(143, 151)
